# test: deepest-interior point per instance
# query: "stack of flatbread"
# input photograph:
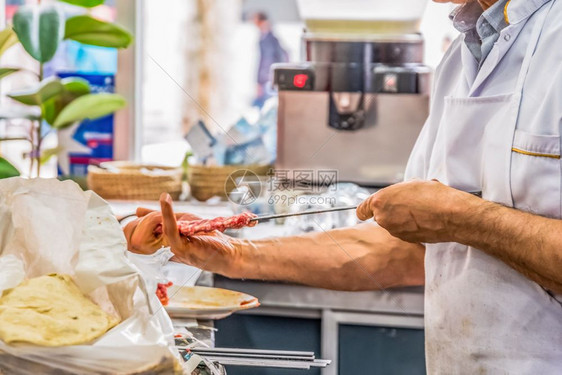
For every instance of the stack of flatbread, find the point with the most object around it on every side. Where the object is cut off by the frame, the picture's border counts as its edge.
(51, 311)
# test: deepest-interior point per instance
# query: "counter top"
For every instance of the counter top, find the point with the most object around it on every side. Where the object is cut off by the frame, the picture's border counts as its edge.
(408, 301)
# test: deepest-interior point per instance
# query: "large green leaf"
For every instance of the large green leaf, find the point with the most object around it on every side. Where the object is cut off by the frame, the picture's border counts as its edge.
(88, 30)
(72, 88)
(7, 39)
(76, 86)
(39, 29)
(4, 72)
(45, 90)
(90, 107)
(85, 3)
(7, 169)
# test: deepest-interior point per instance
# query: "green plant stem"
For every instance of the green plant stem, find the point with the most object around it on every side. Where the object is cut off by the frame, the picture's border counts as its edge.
(31, 158)
(38, 149)
(37, 153)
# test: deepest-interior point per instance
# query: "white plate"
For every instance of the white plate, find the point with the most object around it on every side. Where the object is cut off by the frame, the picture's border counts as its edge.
(207, 303)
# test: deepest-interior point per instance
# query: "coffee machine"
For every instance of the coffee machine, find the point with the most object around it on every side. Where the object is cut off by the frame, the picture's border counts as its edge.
(355, 105)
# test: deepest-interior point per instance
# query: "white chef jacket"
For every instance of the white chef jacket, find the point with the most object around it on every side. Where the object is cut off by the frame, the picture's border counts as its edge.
(497, 130)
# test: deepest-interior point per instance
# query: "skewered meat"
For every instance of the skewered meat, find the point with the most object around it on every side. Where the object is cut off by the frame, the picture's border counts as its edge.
(191, 228)
(162, 293)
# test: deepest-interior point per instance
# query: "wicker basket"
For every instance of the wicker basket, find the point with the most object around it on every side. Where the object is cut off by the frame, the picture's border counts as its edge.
(210, 181)
(124, 180)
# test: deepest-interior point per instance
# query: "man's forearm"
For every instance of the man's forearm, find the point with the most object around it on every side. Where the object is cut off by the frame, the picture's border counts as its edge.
(529, 243)
(364, 257)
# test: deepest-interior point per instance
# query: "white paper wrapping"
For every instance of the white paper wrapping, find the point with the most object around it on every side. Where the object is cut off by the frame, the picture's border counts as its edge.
(48, 226)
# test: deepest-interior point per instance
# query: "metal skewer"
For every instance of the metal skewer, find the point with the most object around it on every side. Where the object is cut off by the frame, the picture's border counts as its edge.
(279, 216)
(259, 358)
(334, 209)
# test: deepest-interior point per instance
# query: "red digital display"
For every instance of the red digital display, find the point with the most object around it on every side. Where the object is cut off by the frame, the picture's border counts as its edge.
(299, 80)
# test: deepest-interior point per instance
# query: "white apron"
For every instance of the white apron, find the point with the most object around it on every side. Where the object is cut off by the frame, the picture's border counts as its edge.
(481, 316)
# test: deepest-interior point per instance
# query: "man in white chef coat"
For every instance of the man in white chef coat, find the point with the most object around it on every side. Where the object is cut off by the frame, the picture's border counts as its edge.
(491, 266)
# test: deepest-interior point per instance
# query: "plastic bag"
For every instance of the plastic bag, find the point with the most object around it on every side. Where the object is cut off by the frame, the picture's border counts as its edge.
(151, 266)
(12, 272)
(48, 226)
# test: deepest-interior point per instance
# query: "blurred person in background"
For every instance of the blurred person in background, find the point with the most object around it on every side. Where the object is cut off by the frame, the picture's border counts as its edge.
(271, 52)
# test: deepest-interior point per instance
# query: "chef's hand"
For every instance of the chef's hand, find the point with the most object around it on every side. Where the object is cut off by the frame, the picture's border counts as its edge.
(196, 250)
(417, 211)
(141, 233)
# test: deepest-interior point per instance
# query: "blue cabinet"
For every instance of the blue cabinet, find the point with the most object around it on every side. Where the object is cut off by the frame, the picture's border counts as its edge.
(380, 350)
(367, 333)
(357, 343)
(269, 332)
(373, 343)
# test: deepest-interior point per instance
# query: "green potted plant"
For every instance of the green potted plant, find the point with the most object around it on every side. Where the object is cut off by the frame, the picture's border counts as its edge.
(61, 102)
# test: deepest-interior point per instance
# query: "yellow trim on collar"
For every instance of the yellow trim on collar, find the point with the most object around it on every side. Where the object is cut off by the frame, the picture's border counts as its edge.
(519, 151)
(505, 15)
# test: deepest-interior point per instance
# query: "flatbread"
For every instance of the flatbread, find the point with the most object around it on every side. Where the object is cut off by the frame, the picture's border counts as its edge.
(204, 298)
(51, 311)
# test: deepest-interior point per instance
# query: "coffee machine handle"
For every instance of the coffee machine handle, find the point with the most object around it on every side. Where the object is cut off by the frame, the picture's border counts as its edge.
(347, 110)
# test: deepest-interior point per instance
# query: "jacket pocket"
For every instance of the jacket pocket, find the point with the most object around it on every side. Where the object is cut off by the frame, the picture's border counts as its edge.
(536, 173)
